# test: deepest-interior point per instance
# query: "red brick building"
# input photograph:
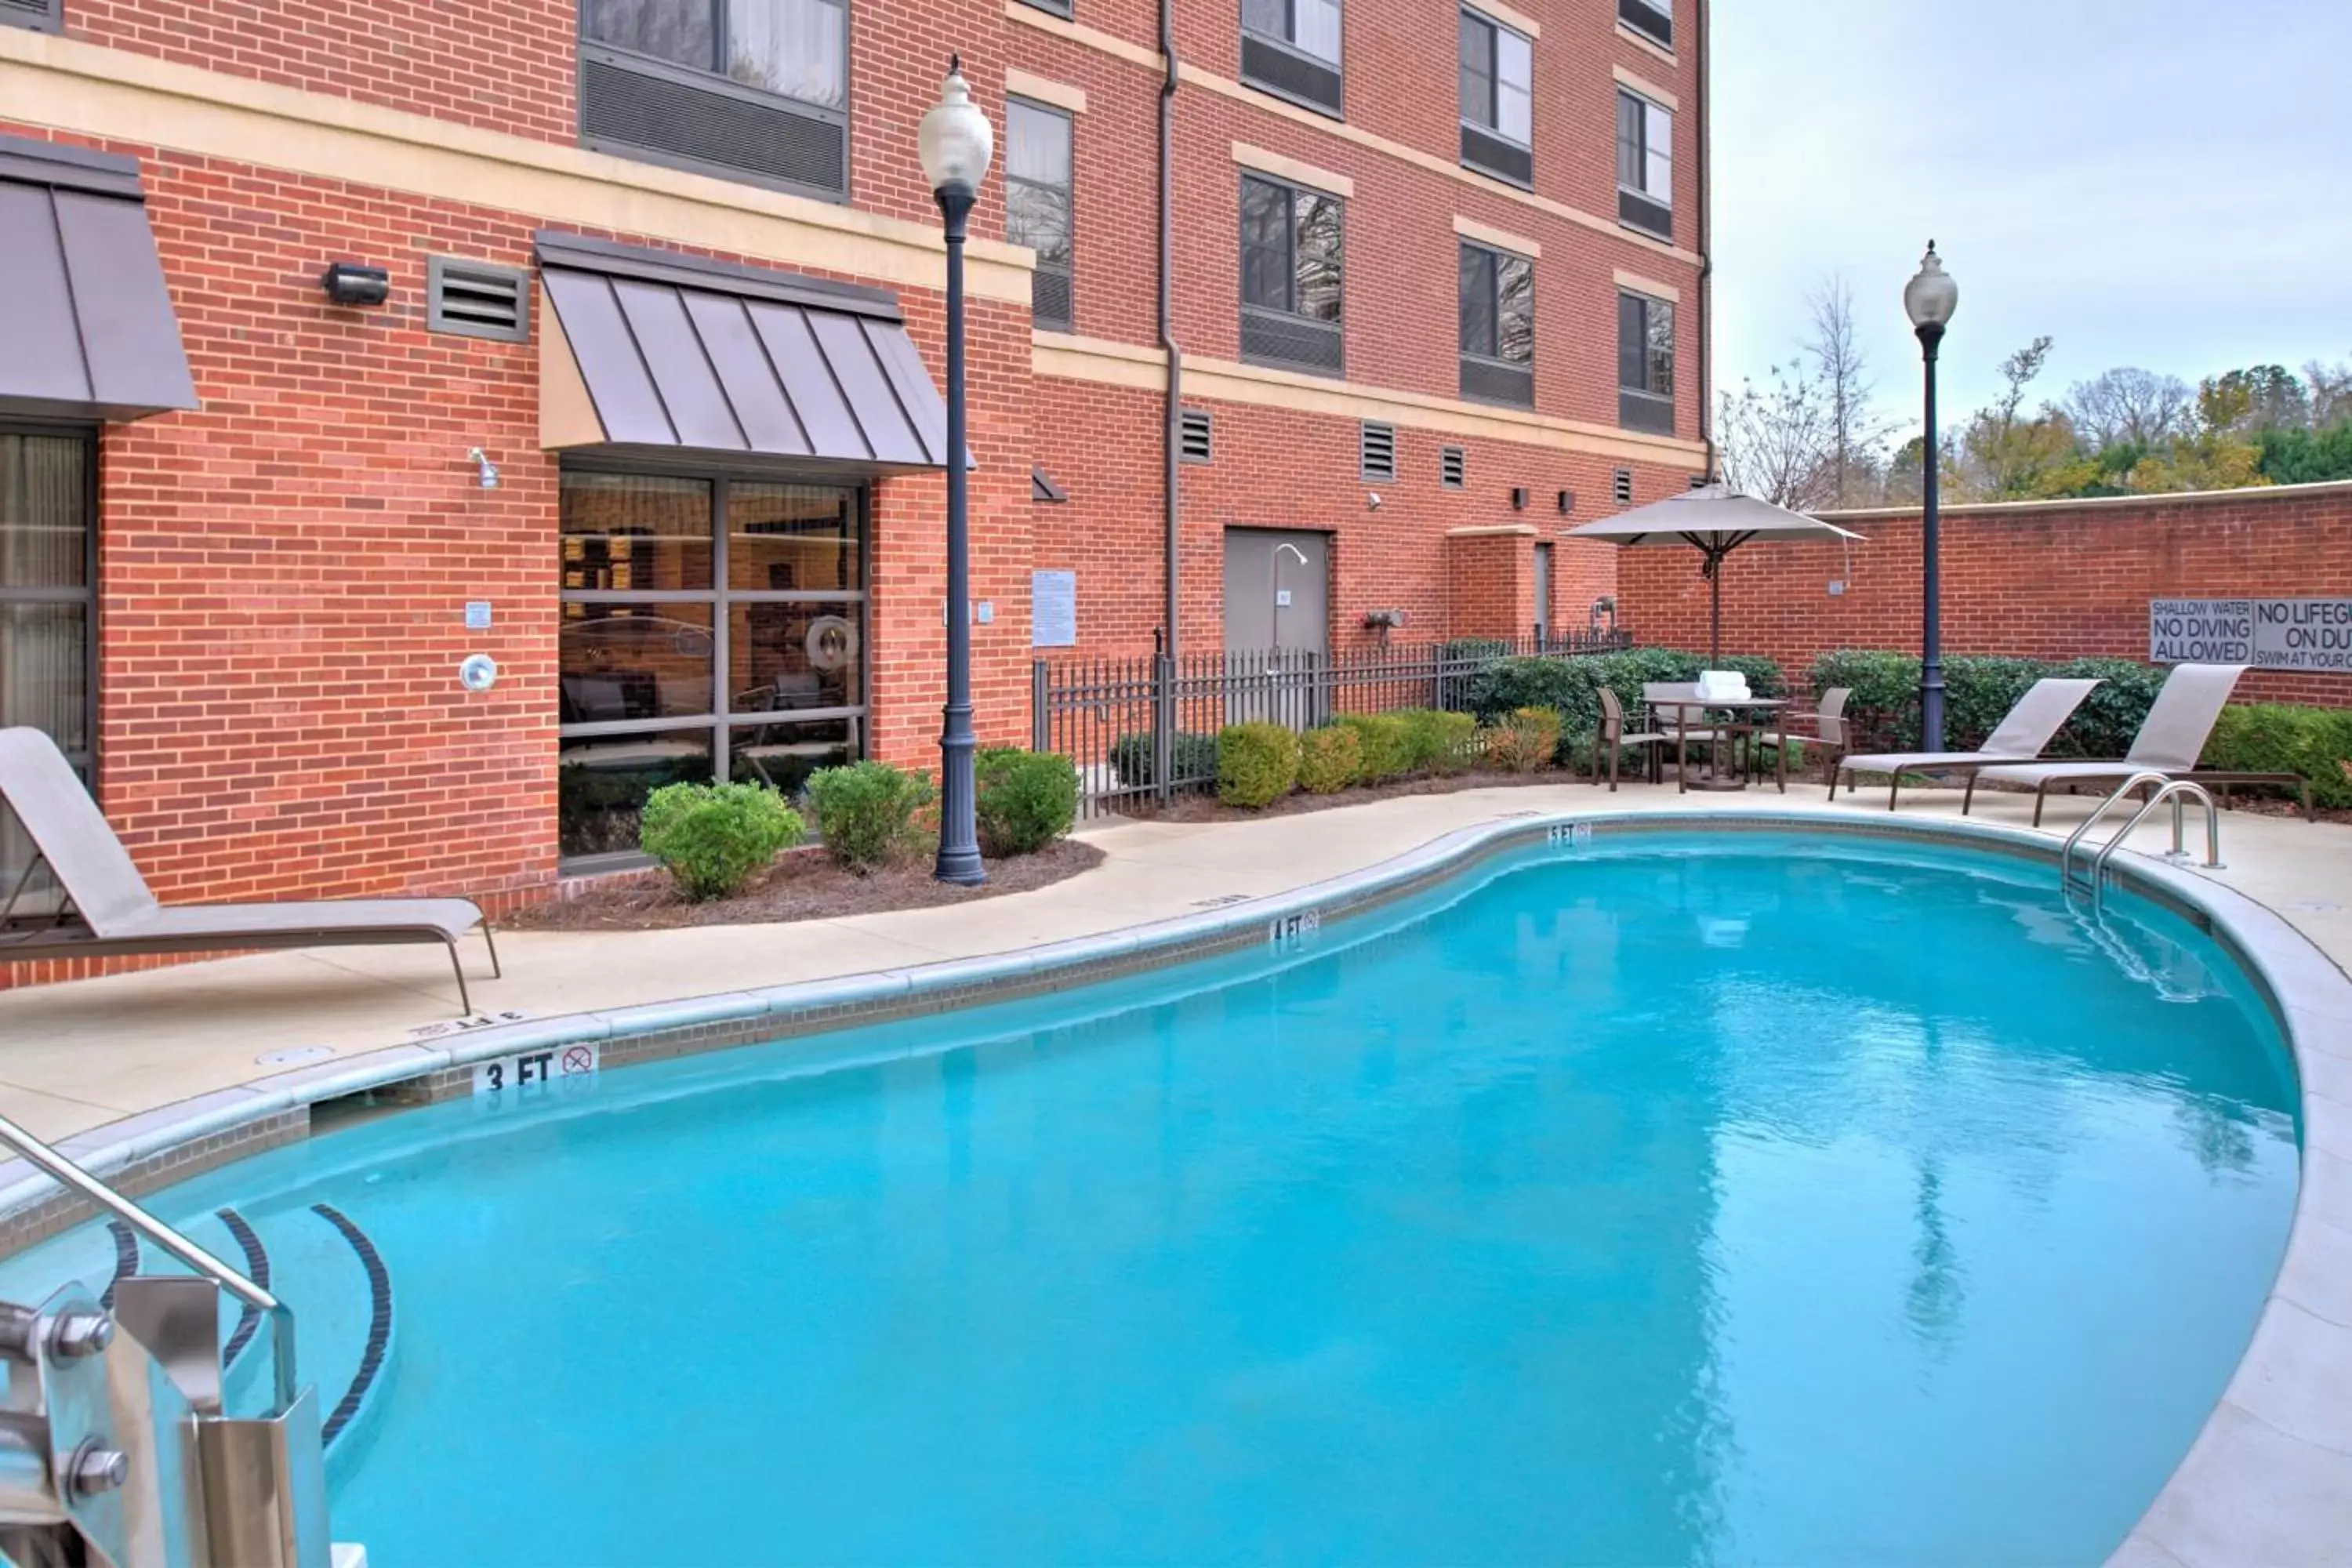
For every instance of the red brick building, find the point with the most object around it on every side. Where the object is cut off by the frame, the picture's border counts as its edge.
(626, 379)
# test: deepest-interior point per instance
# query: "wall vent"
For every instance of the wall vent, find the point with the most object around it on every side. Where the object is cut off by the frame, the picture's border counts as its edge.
(475, 299)
(1195, 438)
(1621, 486)
(1377, 452)
(1452, 468)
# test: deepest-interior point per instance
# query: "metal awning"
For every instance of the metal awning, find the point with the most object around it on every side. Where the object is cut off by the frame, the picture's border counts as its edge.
(88, 330)
(651, 349)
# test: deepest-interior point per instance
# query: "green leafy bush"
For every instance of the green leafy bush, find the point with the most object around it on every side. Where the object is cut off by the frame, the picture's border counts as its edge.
(1257, 764)
(1525, 741)
(2273, 737)
(1980, 691)
(1194, 759)
(1329, 759)
(1571, 686)
(1385, 745)
(866, 811)
(711, 839)
(1027, 799)
(1435, 742)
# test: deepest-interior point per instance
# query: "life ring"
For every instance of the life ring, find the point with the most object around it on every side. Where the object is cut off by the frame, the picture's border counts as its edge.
(832, 643)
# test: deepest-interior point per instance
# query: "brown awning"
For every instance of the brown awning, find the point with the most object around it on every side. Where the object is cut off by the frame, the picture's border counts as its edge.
(651, 348)
(88, 330)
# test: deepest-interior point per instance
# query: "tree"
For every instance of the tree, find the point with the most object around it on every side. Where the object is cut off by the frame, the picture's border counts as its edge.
(2136, 407)
(1776, 443)
(2331, 394)
(2219, 453)
(2265, 397)
(1856, 433)
(2006, 454)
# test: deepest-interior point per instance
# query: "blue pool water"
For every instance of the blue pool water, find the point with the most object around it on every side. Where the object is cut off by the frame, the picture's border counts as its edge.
(1699, 1199)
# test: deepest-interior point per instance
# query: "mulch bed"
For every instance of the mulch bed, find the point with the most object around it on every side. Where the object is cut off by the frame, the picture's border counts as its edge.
(803, 886)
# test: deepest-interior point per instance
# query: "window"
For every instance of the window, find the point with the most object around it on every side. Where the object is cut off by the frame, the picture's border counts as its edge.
(755, 87)
(1291, 48)
(1498, 99)
(48, 575)
(1038, 202)
(711, 628)
(43, 14)
(1290, 276)
(1645, 164)
(1498, 326)
(1653, 20)
(1645, 364)
(1058, 8)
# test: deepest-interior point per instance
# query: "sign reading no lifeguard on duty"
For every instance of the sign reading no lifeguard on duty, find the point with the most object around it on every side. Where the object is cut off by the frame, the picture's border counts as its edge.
(2269, 634)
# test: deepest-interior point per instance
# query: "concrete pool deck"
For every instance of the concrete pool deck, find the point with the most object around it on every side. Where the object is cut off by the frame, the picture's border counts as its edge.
(115, 1063)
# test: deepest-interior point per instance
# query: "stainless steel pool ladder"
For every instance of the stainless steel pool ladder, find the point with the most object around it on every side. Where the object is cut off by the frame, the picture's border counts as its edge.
(115, 1447)
(2093, 882)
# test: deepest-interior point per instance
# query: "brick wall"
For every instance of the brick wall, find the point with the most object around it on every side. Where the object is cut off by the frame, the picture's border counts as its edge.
(2045, 579)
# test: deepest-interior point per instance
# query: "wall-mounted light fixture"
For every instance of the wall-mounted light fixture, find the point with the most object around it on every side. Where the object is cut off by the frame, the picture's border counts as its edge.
(489, 470)
(349, 283)
(1519, 498)
(1567, 502)
(1373, 501)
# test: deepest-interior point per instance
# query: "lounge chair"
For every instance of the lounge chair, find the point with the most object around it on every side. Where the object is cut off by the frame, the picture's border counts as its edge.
(2171, 739)
(106, 909)
(2020, 737)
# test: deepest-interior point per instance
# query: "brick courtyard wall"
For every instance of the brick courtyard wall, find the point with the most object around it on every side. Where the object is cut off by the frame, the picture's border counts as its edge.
(1491, 583)
(2043, 579)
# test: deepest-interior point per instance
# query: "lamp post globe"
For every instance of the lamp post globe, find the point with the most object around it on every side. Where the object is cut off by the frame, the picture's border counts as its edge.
(1929, 300)
(956, 143)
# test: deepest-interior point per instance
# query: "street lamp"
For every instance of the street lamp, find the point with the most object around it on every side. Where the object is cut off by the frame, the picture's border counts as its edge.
(1930, 299)
(956, 142)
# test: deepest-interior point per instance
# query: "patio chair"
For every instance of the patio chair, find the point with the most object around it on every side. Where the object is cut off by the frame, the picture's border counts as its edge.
(1824, 727)
(2171, 741)
(107, 907)
(2020, 737)
(1613, 738)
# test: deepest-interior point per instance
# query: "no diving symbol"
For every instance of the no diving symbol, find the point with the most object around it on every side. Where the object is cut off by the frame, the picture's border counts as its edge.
(577, 1061)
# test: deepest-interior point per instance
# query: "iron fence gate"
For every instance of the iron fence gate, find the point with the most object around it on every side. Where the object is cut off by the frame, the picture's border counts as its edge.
(1144, 728)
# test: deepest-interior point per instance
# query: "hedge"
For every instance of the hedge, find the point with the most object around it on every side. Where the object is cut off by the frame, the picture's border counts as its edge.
(1329, 759)
(866, 812)
(1569, 687)
(1257, 763)
(1195, 759)
(1386, 744)
(711, 838)
(2273, 737)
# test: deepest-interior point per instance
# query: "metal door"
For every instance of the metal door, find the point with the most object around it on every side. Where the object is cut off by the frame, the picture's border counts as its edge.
(1543, 593)
(1278, 623)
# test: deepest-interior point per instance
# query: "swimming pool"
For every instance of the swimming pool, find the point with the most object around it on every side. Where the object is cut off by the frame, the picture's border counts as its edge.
(1705, 1198)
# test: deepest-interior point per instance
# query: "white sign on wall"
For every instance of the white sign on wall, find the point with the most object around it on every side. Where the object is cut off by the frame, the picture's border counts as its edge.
(1053, 609)
(2268, 634)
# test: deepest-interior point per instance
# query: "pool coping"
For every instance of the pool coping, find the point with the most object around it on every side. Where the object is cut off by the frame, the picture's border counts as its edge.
(2268, 1480)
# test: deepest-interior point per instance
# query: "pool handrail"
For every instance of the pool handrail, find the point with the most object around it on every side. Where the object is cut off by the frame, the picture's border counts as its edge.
(63, 1171)
(2161, 787)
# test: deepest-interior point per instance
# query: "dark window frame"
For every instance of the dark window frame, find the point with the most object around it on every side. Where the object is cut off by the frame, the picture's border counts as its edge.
(1052, 7)
(1638, 149)
(1290, 311)
(715, 80)
(1069, 273)
(1492, 258)
(87, 761)
(722, 720)
(1285, 42)
(1644, 18)
(1492, 125)
(1647, 402)
(40, 16)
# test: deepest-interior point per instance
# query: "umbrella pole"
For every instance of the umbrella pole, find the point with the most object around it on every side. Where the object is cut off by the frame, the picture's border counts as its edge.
(1714, 618)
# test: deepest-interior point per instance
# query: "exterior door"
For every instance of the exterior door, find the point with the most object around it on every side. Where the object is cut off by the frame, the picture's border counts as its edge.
(1543, 593)
(1278, 623)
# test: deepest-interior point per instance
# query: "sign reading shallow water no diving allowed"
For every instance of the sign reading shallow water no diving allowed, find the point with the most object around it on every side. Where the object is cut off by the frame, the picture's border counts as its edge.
(2268, 634)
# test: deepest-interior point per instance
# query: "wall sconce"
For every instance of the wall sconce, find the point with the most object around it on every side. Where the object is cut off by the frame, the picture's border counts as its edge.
(349, 283)
(489, 469)
(1519, 498)
(1567, 502)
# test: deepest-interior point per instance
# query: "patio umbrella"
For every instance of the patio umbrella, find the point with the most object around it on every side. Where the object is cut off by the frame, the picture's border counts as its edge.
(1715, 520)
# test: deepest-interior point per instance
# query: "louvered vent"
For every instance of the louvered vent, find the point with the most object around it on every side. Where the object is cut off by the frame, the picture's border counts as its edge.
(1293, 341)
(475, 299)
(1378, 450)
(1293, 74)
(41, 14)
(805, 148)
(1049, 298)
(1452, 468)
(1195, 443)
(1621, 487)
(1493, 155)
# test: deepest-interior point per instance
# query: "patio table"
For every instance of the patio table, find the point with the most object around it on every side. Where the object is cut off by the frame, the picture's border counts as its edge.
(1722, 736)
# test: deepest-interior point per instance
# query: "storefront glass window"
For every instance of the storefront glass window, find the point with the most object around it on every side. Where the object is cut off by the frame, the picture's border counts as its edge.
(47, 610)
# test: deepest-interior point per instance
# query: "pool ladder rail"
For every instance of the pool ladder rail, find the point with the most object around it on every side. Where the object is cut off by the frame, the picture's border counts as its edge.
(2092, 881)
(115, 1444)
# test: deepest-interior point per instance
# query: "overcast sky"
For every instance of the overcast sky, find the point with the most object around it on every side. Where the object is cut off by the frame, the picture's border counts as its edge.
(2159, 183)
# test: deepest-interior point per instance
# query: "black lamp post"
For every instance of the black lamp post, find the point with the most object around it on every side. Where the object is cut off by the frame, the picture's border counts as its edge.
(1930, 299)
(956, 142)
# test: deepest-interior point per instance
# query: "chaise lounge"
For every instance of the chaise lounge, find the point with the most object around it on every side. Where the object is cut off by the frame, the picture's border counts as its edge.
(107, 907)
(2020, 737)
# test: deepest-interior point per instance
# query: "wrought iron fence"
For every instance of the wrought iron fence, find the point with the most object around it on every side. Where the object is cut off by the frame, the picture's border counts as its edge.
(1145, 727)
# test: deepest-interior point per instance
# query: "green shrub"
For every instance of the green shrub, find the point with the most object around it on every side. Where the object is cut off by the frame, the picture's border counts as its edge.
(1435, 742)
(1981, 689)
(2109, 721)
(1525, 741)
(1194, 758)
(1026, 800)
(1571, 686)
(1257, 764)
(1473, 647)
(2273, 737)
(866, 811)
(711, 839)
(1329, 759)
(1385, 746)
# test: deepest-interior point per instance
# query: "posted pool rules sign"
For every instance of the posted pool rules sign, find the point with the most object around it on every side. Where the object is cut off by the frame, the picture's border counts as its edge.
(2269, 634)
